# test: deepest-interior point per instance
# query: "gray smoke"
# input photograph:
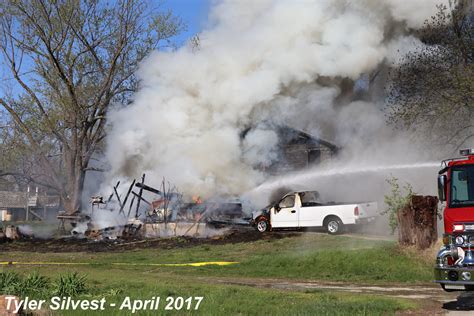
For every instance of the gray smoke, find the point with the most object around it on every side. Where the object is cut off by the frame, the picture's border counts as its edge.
(288, 62)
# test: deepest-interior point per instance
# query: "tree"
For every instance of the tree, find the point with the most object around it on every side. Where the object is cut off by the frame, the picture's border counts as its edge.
(432, 89)
(70, 61)
(413, 215)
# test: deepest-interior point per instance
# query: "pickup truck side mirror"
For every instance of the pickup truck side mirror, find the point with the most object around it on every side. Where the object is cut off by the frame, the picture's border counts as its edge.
(277, 207)
(442, 187)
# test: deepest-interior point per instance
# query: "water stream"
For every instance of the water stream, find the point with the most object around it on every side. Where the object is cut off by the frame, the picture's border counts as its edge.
(351, 182)
(302, 177)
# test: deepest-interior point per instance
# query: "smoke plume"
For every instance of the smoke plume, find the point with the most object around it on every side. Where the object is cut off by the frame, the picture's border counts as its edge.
(296, 63)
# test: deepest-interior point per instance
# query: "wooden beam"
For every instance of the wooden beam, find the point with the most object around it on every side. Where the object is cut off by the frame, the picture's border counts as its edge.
(126, 196)
(140, 196)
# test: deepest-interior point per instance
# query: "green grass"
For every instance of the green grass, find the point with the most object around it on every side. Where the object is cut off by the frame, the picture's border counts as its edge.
(40, 287)
(305, 257)
(226, 299)
(232, 300)
(311, 256)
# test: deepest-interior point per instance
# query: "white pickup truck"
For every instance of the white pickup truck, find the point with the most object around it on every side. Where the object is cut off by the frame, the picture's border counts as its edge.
(303, 209)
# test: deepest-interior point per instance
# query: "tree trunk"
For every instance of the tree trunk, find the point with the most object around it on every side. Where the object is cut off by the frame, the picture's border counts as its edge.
(71, 194)
(417, 222)
(72, 198)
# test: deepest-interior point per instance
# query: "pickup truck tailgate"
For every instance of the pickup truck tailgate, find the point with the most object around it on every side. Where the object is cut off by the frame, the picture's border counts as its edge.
(368, 209)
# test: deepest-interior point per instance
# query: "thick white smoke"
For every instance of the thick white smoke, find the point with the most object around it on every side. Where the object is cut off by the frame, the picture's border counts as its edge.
(268, 60)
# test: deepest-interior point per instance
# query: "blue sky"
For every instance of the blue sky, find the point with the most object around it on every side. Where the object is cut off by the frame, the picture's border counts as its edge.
(193, 12)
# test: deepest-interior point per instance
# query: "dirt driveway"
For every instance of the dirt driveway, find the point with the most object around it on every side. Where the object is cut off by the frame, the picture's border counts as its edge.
(434, 300)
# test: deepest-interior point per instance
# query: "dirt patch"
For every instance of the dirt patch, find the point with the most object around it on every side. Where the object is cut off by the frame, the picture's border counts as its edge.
(431, 299)
(238, 235)
(410, 291)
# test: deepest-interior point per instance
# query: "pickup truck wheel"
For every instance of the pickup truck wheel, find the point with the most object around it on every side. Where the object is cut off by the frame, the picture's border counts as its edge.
(334, 225)
(262, 225)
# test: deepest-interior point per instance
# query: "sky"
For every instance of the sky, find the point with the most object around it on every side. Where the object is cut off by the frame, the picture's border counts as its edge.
(193, 13)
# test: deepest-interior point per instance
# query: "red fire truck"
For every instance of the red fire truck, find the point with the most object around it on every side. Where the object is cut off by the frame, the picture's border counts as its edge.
(454, 268)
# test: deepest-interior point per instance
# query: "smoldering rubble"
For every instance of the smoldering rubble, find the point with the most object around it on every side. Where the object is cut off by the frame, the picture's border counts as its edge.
(136, 211)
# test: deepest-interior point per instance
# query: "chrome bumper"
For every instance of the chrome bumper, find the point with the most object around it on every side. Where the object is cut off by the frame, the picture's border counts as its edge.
(453, 275)
(365, 220)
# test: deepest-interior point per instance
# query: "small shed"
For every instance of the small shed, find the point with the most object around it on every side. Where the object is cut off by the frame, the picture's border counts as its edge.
(16, 205)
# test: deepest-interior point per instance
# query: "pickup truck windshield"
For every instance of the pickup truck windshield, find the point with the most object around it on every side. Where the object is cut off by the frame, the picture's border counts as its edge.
(288, 201)
(462, 186)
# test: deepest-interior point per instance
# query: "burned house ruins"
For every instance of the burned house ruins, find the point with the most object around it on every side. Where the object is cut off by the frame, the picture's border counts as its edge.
(295, 149)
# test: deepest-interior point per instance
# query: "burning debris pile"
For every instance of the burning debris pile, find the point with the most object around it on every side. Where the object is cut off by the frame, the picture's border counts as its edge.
(9, 233)
(146, 212)
(125, 232)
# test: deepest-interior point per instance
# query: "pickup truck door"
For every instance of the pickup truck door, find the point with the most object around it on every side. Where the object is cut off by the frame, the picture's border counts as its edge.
(286, 214)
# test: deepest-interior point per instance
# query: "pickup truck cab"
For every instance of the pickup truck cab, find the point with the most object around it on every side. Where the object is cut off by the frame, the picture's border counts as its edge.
(303, 209)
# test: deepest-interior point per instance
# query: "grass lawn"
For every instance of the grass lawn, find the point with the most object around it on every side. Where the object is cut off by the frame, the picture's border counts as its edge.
(305, 257)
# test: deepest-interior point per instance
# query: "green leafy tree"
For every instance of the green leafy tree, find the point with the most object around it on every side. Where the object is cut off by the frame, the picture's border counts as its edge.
(432, 89)
(396, 201)
(69, 62)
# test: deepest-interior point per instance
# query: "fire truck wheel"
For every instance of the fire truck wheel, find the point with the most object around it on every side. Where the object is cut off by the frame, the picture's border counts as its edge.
(334, 225)
(262, 225)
